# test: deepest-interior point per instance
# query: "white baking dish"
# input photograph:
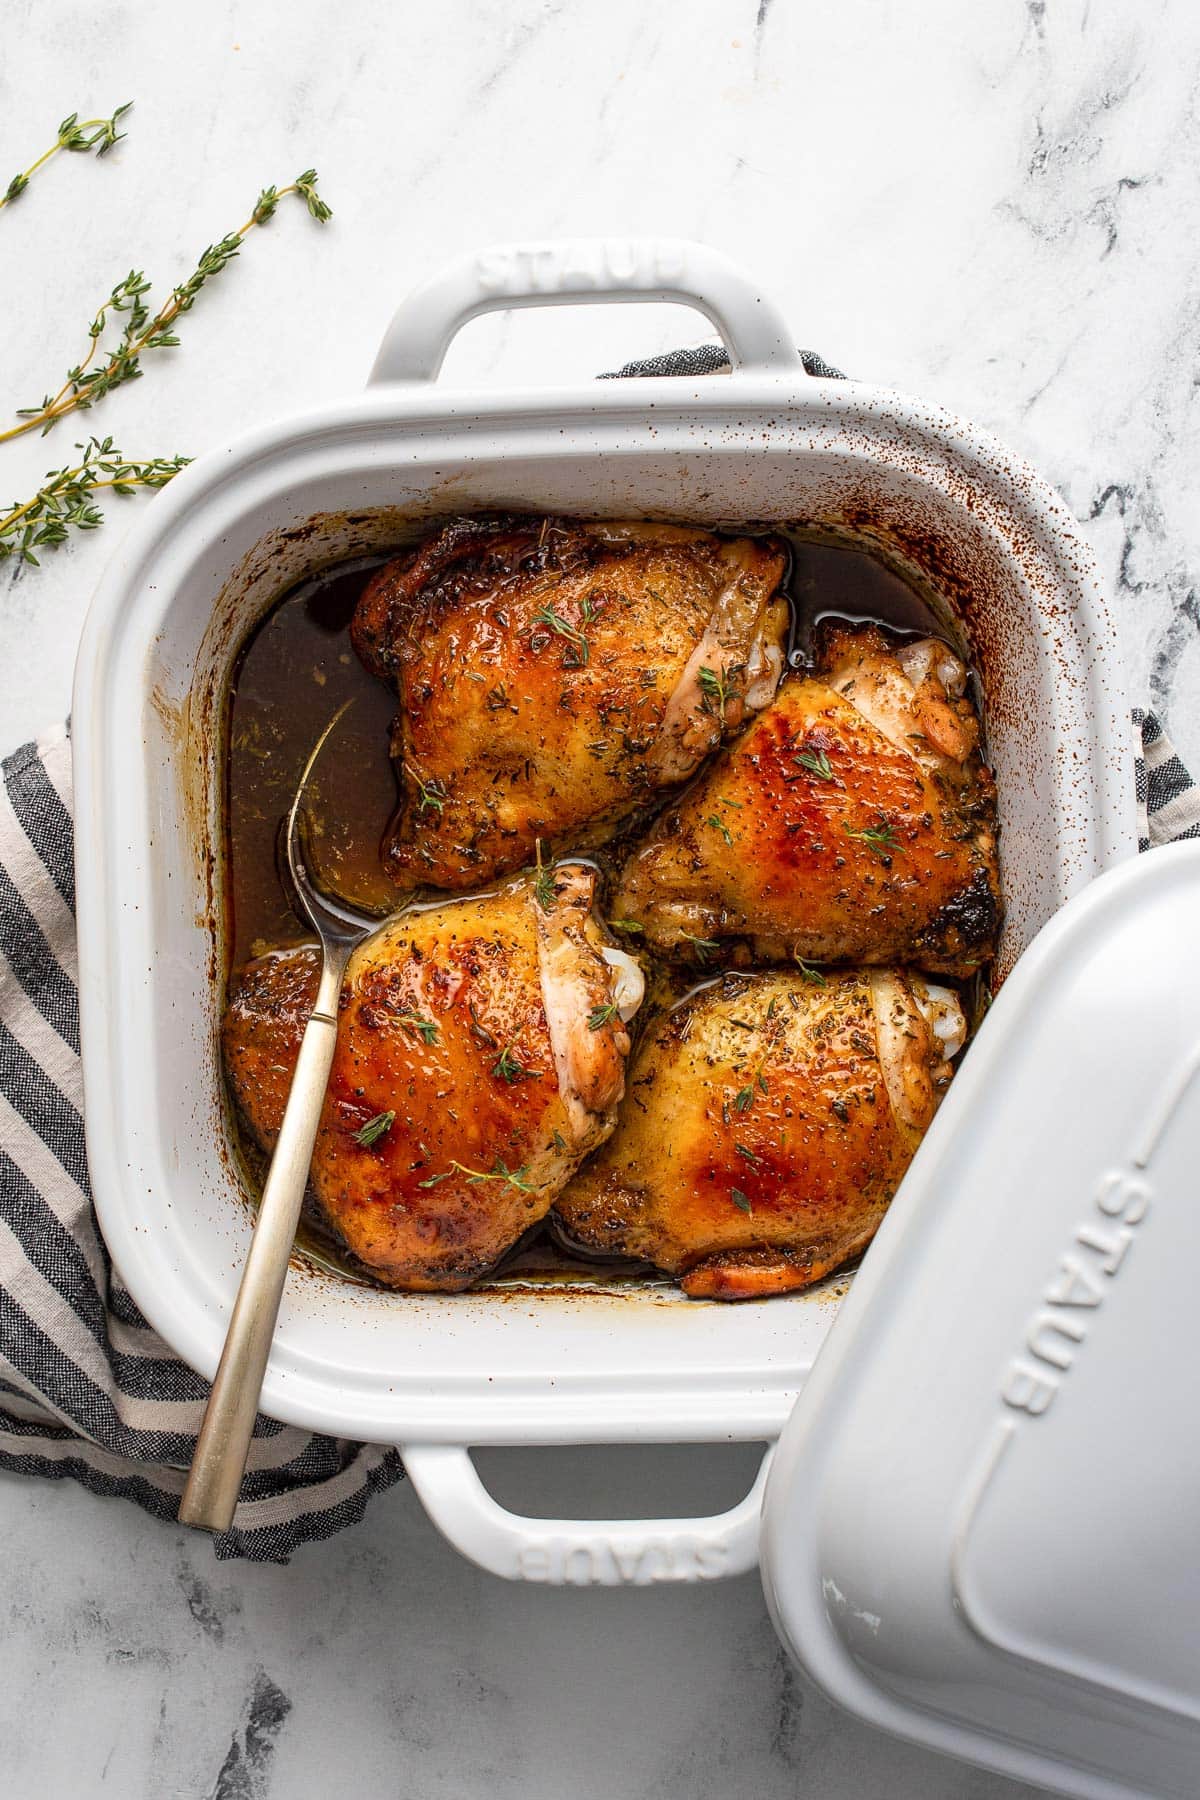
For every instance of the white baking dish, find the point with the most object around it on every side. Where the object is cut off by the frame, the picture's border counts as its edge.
(765, 443)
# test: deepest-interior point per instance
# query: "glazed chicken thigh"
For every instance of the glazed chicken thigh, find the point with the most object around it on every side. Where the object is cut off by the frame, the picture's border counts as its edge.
(852, 821)
(555, 676)
(480, 1055)
(767, 1124)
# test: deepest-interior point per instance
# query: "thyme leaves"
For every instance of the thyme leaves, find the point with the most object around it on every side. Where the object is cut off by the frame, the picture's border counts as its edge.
(880, 838)
(374, 1129)
(499, 1171)
(575, 655)
(146, 329)
(66, 502)
(74, 134)
(816, 762)
(718, 687)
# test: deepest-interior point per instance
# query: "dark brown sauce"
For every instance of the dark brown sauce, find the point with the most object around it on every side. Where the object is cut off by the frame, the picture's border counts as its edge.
(291, 676)
(832, 581)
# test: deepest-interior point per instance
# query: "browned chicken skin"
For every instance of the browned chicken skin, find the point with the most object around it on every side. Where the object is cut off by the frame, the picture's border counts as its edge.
(260, 1034)
(555, 676)
(852, 821)
(767, 1124)
(480, 1055)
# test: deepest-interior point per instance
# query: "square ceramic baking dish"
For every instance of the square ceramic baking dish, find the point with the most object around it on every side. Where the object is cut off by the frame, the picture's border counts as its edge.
(939, 500)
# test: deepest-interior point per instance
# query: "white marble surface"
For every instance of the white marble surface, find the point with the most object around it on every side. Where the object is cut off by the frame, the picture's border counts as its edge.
(992, 206)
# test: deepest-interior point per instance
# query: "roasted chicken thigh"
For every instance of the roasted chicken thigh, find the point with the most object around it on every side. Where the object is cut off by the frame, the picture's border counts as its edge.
(767, 1124)
(555, 676)
(852, 821)
(480, 1055)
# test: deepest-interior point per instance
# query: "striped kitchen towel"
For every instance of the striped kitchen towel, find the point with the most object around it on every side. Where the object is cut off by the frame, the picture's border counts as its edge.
(86, 1388)
(1168, 800)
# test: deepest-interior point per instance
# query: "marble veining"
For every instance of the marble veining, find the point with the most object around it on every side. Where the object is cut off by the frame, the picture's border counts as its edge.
(245, 1773)
(991, 207)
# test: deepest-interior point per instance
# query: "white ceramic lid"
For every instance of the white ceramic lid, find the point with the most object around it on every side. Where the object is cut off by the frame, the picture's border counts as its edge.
(982, 1528)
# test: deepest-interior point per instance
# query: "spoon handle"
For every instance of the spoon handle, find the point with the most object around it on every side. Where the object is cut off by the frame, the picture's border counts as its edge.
(219, 1461)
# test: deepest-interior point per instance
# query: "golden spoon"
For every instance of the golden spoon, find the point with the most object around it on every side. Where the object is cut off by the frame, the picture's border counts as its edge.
(219, 1461)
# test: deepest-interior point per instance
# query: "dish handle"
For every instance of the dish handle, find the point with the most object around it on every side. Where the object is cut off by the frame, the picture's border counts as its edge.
(578, 271)
(580, 1552)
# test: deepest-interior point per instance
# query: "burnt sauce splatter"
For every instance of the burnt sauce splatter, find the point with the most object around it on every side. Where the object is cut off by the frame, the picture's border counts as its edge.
(291, 676)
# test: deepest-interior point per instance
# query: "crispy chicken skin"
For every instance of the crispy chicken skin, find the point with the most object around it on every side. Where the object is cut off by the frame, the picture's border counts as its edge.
(852, 821)
(554, 676)
(491, 1029)
(261, 1032)
(767, 1124)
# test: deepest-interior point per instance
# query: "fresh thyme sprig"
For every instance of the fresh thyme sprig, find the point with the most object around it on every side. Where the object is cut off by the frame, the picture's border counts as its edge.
(65, 502)
(509, 1067)
(880, 838)
(544, 890)
(744, 1098)
(575, 655)
(717, 687)
(514, 1178)
(816, 762)
(374, 1129)
(417, 1025)
(74, 134)
(146, 330)
(431, 795)
(703, 947)
(807, 972)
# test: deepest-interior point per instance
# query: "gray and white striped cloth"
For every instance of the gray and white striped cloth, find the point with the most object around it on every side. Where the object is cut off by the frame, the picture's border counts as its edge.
(86, 1388)
(1168, 800)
